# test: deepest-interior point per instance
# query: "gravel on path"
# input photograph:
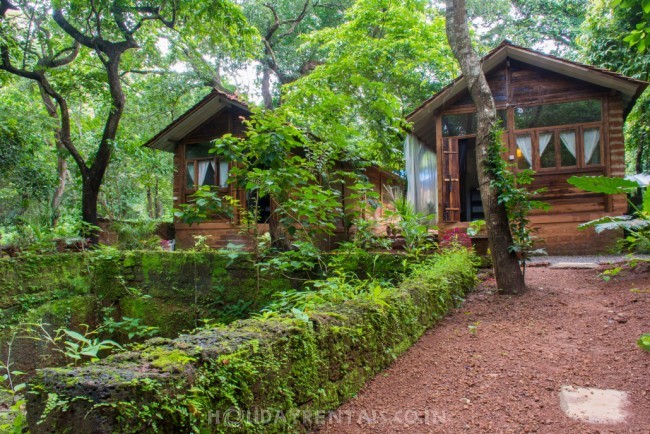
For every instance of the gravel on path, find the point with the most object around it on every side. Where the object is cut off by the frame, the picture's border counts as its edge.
(498, 363)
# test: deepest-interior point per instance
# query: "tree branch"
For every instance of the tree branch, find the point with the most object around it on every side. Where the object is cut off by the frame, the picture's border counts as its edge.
(6, 5)
(56, 61)
(84, 40)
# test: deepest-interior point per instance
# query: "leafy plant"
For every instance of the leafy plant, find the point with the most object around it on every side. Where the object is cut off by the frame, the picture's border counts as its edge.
(132, 235)
(455, 238)
(74, 346)
(204, 203)
(412, 225)
(518, 200)
(607, 275)
(131, 327)
(636, 226)
(644, 341)
(14, 420)
(337, 289)
(475, 227)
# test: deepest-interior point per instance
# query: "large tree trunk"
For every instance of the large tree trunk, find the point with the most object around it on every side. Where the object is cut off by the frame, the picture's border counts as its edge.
(508, 274)
(266, 89)
(62, 165)
(89, 196)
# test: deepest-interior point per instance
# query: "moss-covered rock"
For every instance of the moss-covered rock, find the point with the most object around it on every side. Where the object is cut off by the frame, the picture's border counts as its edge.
(259, 368)
(173, 291)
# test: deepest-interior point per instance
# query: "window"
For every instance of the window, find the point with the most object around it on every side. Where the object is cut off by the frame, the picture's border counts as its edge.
(559, 136)
(550, 115)
(524, 151)
(591, 140)
(202, 168)
(464, 124)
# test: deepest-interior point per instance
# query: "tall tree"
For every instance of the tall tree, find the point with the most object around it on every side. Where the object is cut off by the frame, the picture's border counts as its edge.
(109, 32)
(605, 42)
(384, 60)
(281, 25)
(550, 25)
(508, 275)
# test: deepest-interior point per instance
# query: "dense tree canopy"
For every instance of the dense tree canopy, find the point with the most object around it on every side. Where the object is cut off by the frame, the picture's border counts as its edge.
(84, 84)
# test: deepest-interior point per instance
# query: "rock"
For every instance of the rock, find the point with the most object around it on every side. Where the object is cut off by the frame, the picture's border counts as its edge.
(575, 265)
(593, 405)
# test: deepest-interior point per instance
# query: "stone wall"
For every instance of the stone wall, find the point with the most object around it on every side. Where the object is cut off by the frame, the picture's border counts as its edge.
(285, 367)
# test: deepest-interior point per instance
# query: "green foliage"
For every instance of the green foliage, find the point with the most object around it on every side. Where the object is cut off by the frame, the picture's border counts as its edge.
(510, 188)
(378, 65)
(76, 347)
(205, 203)
(608, 274)
(603, 184)
(333, 290)
(475, 227)
(137, 235)
(637, 226)
(550, 25)
(13, 420)
(644, 341)
(412, 225)
(640, 36)
(310, 359)
(131, 327)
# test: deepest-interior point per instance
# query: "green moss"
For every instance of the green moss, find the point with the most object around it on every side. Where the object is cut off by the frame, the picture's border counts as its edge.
(279, 364)
(170, 318)
(167, 360)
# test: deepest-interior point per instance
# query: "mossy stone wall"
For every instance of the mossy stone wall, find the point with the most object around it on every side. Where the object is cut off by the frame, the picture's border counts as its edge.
(278, 365)
(170, 290)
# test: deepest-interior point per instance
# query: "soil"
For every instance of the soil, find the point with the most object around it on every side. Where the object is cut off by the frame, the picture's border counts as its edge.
(497, 364)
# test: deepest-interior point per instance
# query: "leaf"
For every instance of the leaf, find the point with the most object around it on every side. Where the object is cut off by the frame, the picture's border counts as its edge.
(646, 6)
(644, 341)
(602, 184)
(76, 336)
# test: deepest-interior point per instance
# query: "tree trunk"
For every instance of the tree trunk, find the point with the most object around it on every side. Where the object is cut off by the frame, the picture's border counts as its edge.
(506, 265)
(57, 196)
(62, 165)
(89, 196)
(266, 89)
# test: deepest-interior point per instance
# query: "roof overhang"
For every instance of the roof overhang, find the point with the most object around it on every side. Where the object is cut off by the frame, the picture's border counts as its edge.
(630, 88)
(214, 102)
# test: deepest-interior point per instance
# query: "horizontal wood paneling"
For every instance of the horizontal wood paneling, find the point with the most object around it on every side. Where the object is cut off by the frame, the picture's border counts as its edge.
(530, 85)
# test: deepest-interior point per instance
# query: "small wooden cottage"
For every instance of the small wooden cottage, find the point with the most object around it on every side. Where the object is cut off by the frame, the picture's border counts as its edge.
(189, 137)
(561, 119)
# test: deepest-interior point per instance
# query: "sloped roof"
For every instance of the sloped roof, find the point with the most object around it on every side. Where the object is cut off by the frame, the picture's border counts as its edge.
(630, 88)
(210, 105)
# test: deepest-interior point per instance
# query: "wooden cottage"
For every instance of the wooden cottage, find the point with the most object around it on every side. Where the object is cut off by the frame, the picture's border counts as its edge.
(189, 137)
(561, 119)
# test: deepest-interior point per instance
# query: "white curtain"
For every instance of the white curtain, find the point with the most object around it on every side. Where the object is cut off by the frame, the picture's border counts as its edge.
(421, 176)
(544, 139)
(592, 139)
(525, 143)
(569, 140)
(203, 169)
(190, 173)
(223, 173)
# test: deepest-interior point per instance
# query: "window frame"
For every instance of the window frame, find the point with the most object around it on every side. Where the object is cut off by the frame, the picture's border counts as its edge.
(556, 130)
(194, 161)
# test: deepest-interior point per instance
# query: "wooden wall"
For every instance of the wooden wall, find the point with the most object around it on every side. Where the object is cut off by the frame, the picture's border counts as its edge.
(220, 232)
(525, 85)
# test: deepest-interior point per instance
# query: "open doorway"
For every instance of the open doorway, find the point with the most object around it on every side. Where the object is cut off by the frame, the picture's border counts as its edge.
(263, 205)
(470, 196)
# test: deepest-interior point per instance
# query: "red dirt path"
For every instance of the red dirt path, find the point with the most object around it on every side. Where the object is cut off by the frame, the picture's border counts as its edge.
(497, 364)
